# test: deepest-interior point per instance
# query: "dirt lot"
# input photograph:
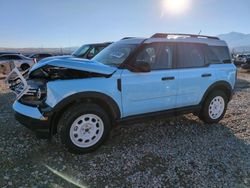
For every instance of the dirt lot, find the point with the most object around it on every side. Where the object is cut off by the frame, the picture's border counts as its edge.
(172, 152)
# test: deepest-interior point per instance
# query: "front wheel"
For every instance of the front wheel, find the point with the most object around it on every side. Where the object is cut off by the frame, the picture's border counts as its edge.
(83, 128)
(214, 107)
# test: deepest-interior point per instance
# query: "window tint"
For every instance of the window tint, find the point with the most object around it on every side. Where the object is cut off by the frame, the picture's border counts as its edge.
(2, 58)
(218, 54)
(190, 55)
(115, 54)
(14, 57)
(166, 57)
(158, 56)
(44, 55)
(80, 52)
(98, 49)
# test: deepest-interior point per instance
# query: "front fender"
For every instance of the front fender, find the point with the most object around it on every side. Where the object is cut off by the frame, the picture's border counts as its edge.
(60, 91)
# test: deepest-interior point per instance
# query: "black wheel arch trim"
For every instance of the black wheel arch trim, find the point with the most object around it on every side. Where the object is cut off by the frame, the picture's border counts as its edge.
(219, 84)
(56, 112)
(78, 97)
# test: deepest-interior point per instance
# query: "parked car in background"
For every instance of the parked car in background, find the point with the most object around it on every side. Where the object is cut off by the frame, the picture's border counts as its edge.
(21, 62)
(240, 59)
(81, 100)
(5, 53)
(40, 56)
(246, 64)
(89, 51)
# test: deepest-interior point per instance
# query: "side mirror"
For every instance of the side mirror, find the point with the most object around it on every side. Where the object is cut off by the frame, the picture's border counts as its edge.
(141, 66)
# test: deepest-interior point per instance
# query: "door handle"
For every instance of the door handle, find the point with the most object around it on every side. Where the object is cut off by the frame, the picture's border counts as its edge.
(168, 78)
(206, 75)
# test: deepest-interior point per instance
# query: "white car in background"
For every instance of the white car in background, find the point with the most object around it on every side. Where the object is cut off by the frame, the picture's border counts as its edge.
(22, 63)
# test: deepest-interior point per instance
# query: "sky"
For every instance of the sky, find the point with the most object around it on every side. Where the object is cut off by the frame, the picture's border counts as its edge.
(68, 23)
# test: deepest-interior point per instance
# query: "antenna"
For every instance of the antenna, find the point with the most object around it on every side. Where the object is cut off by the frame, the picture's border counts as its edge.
(199, 32)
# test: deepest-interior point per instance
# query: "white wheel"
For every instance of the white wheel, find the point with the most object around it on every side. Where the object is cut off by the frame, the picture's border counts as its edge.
(86, 130)
(216, 107)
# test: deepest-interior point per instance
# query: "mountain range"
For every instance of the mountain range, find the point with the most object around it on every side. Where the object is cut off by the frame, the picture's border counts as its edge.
(238, 42)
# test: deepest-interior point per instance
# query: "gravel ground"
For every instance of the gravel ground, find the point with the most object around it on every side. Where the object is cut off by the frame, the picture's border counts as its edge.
(172, 152)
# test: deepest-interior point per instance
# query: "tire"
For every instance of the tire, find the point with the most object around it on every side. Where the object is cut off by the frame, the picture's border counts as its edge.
(214, 107)
(83, 128)
(24, 67)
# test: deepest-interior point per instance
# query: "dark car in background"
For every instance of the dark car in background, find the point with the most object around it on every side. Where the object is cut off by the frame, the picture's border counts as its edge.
(240, 59)
(8, 53)
(246, 64)
(89, 51)
(40, 56)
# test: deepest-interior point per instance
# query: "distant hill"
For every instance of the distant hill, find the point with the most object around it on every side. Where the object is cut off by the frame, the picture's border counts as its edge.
(239, 42)
(56, 51)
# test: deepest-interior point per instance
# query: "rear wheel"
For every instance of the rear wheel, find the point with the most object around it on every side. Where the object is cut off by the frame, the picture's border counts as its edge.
(83, 128)
(214, 107)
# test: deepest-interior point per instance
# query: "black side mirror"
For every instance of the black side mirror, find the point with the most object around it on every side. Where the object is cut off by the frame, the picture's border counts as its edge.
(141, 66)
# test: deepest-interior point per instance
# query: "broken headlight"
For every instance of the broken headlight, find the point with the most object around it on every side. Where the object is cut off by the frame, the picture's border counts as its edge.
(35, 94)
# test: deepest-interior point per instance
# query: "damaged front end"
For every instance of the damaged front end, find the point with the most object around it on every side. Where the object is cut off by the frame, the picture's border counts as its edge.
(16, 81)
(33, 107)
(31, 87)
(51, 73)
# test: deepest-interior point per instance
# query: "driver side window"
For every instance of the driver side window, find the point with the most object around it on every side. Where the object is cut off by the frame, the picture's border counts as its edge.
(159, 56)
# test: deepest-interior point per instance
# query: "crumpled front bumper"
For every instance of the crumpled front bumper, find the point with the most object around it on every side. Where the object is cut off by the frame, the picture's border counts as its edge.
(31, 118)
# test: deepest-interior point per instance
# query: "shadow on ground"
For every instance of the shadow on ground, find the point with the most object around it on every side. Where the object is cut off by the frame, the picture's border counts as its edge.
(174, 152)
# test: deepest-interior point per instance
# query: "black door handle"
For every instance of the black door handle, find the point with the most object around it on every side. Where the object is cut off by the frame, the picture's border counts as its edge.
(206, 75)
(168, 78)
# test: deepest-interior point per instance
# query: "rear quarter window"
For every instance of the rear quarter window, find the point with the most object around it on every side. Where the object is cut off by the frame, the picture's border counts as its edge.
(218, 55)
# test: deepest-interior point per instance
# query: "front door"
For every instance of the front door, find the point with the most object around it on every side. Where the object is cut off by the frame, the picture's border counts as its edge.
(153, 91)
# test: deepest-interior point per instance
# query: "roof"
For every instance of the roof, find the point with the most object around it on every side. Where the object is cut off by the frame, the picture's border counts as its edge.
(99, 44)
(132, 40)
(210, 42)
(177, 38)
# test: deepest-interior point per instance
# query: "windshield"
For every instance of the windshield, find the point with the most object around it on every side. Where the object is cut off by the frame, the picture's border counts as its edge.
(80, 52)
(115, 54)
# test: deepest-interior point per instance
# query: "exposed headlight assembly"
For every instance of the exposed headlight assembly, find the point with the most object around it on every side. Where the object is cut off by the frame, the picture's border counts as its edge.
(35, 94)
(51, 73)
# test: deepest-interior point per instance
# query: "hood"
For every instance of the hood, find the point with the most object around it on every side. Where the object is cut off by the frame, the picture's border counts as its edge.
(55, 57)
(75, 64)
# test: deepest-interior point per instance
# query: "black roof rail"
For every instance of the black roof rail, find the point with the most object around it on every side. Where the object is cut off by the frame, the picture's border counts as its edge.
(127, 38)
(165, 35)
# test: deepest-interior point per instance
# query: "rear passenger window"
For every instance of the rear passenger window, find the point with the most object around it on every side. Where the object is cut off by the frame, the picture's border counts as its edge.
(158, 56)
(190, 55)
(218, 54)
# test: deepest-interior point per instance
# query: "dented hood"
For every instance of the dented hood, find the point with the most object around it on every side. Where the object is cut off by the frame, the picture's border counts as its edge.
(76, 64)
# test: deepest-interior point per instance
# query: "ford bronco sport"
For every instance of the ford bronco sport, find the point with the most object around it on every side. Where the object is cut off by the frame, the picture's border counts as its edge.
(167, 74)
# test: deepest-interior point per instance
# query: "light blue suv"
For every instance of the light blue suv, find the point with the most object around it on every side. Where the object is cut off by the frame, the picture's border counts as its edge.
(167, 74)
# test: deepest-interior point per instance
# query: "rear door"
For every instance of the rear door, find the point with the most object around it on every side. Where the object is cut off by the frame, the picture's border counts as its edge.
(153, 91)
(195, 74)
